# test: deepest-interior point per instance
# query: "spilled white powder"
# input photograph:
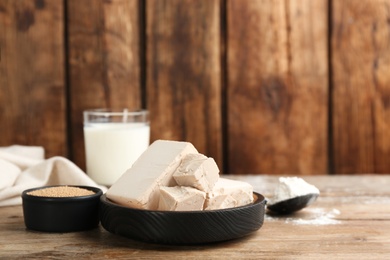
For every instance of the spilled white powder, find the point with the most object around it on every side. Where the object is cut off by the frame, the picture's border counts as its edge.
(290, 187)
(318, 217)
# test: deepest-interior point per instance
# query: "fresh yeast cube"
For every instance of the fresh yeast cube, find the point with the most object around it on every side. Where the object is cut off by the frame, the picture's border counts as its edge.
(197, 171)
(181, 198)
(139, 186)
(229, 193)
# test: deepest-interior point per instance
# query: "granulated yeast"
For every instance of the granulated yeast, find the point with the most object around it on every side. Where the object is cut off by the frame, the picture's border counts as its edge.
(61, 191)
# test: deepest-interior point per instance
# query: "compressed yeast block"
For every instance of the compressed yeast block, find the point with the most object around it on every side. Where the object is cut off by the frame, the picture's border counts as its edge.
(228, 194)
(181, 198)
(197, 171)
(139, 186)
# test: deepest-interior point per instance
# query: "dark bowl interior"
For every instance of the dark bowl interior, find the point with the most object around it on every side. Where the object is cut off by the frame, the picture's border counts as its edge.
(182, 227)
(67, 214)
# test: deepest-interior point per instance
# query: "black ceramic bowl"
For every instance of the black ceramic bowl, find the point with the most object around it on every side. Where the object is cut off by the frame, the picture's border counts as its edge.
(182, 227)
(64, 214)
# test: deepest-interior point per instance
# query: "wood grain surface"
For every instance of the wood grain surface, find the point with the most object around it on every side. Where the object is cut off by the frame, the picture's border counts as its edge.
(32, 74)
(183, 73)
(274, 87)
(103, 62)
(350, 220)
(361, 86)
(277, 87)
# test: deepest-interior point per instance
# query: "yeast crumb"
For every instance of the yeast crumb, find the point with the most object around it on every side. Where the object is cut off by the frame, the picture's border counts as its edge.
(61, 192)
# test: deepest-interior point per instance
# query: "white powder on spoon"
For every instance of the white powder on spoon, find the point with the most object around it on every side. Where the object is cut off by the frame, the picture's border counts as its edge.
(291, 187)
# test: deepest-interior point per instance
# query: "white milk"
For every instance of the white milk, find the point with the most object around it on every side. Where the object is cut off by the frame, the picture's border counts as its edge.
(112, 148)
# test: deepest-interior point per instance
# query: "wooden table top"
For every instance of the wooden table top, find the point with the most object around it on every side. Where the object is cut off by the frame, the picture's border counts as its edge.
(350, 219)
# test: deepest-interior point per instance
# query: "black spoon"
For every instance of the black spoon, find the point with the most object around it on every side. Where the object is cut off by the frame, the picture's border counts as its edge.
(294, 204)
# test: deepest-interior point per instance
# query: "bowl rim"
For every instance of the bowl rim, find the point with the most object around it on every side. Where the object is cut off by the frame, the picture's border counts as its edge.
(258, 199)
(97, 193)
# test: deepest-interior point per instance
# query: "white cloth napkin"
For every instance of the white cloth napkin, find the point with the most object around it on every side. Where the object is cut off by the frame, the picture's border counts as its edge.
(24, 167)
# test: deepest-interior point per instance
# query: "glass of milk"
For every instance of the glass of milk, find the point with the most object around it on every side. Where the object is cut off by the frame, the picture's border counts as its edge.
(114, 139)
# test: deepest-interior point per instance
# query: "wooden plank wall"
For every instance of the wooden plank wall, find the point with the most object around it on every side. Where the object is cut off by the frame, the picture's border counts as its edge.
(277, 87)
(32, 75)
(360, 51)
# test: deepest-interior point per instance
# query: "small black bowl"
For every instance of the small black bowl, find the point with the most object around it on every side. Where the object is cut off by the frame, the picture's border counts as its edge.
(61, 214)
(182, 227)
